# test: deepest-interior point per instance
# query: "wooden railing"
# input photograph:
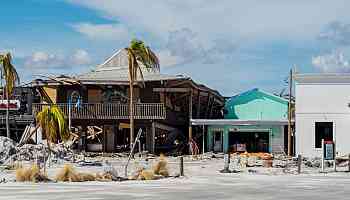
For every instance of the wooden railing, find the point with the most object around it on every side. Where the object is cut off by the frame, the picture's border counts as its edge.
(109, 110)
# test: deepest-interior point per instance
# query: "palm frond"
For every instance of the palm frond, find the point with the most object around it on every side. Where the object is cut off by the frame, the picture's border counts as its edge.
(9, 72)
(145, 55)
(53, 123)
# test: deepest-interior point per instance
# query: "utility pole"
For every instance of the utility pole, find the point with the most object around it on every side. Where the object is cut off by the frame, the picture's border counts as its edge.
(290, 83)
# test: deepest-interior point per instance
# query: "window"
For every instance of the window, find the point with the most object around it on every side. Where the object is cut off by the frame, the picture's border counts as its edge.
(217, 136)
(323, 130)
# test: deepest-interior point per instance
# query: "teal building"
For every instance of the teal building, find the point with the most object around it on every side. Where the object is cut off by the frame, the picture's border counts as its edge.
(254, 121)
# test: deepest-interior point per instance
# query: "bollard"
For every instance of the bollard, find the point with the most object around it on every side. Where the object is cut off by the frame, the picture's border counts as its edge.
(181, 166)
(227, 164)
(299, 163)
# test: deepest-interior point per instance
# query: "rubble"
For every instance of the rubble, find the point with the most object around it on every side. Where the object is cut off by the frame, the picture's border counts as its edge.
(7, 149)
(313, 162)
(9, 152)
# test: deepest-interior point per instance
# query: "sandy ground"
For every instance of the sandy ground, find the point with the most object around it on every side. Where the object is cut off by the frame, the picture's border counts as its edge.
(202, 181)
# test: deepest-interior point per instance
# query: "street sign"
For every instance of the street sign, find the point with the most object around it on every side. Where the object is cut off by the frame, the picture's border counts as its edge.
(328, 150)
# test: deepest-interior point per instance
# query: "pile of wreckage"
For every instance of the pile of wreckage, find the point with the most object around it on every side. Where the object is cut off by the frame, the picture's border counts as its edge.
(11, 151)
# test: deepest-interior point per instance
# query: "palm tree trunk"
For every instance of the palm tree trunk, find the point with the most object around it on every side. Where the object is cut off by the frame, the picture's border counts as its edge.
(7, 115)
(131, 113)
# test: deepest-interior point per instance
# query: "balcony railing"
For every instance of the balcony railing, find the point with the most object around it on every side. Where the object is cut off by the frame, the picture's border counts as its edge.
(109, 110)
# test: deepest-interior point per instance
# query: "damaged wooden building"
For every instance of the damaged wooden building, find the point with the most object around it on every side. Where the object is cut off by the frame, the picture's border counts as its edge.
(97, 104)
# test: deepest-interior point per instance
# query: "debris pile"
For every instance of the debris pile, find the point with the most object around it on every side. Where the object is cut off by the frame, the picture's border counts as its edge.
(7, 149)
(30, 152)
(313, 162)
(10, 153)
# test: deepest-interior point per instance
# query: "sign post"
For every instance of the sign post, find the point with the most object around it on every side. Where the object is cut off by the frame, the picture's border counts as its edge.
(322, 161)
(328, 153)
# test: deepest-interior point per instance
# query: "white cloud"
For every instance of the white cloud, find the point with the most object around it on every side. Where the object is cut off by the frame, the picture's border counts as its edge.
(166, 59)
(40, 57)
(333, 62)
(336, 32)
(227, 18)
(102, 31)
(81, 57)
(42, 61)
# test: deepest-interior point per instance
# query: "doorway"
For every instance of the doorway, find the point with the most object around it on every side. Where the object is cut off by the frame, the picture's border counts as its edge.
(217, 141)
(251, 142)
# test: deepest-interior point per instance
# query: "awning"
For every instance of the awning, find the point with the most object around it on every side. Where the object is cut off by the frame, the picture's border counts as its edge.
(198, 122)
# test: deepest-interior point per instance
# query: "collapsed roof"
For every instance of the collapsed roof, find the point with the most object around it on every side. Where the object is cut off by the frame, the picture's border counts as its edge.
(114, 71)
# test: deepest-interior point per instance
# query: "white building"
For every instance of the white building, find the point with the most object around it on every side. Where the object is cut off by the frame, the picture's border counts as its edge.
(322, 112)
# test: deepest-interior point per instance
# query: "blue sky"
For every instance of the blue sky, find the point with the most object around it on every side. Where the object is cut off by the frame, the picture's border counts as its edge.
(231, 46)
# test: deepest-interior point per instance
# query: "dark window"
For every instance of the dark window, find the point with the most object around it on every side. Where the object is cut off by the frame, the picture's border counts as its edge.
(217, 136)
(323, 130)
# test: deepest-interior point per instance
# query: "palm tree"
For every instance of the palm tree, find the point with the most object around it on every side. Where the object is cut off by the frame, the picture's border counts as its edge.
(9, 74)
(53, 125)
(138, 55)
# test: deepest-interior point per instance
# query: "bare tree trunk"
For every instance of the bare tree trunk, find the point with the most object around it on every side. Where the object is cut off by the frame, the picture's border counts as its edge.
(7, 115)
(131, 113)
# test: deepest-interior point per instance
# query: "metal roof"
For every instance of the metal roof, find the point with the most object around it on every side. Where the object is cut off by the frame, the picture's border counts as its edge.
(313, 78)
(115, 69)
(257, 90)
(120, 74)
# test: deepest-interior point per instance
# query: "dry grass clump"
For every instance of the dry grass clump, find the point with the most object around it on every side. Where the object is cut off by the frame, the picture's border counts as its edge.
(32, 174)
(147, 175)
(160, 168)
(68, 174)
(158, 171)
(104, 177)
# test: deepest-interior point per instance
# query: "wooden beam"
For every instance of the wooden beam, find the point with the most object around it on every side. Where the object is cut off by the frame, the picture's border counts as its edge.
(204, 94)
(208, 108)
(171, 89)
(190, 116)
(181, 97)
(198, 105)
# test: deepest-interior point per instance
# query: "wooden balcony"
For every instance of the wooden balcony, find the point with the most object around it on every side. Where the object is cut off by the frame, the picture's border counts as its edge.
(109, 110)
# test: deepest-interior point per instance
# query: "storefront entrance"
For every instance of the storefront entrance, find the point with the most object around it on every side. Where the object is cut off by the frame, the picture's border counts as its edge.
(249, 141)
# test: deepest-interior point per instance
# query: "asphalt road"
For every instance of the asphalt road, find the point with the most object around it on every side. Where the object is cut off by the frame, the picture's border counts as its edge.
(222, 186)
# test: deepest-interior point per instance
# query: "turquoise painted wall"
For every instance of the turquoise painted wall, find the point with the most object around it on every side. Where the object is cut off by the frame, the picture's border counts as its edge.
(253, 105)
(256, 105)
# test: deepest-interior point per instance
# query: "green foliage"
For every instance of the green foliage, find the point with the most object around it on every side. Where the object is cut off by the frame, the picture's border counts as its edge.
(9, 72)
(139, 53)
(53, 123)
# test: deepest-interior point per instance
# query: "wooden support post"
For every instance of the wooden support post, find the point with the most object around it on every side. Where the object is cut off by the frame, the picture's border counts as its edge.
(290, 114)
(199, 105)
(153, 134)
(207, 108)
(299, 163)
(190, 116)
(182, 166)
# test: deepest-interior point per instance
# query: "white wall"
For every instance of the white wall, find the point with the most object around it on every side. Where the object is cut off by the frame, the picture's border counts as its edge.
(322, 103)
